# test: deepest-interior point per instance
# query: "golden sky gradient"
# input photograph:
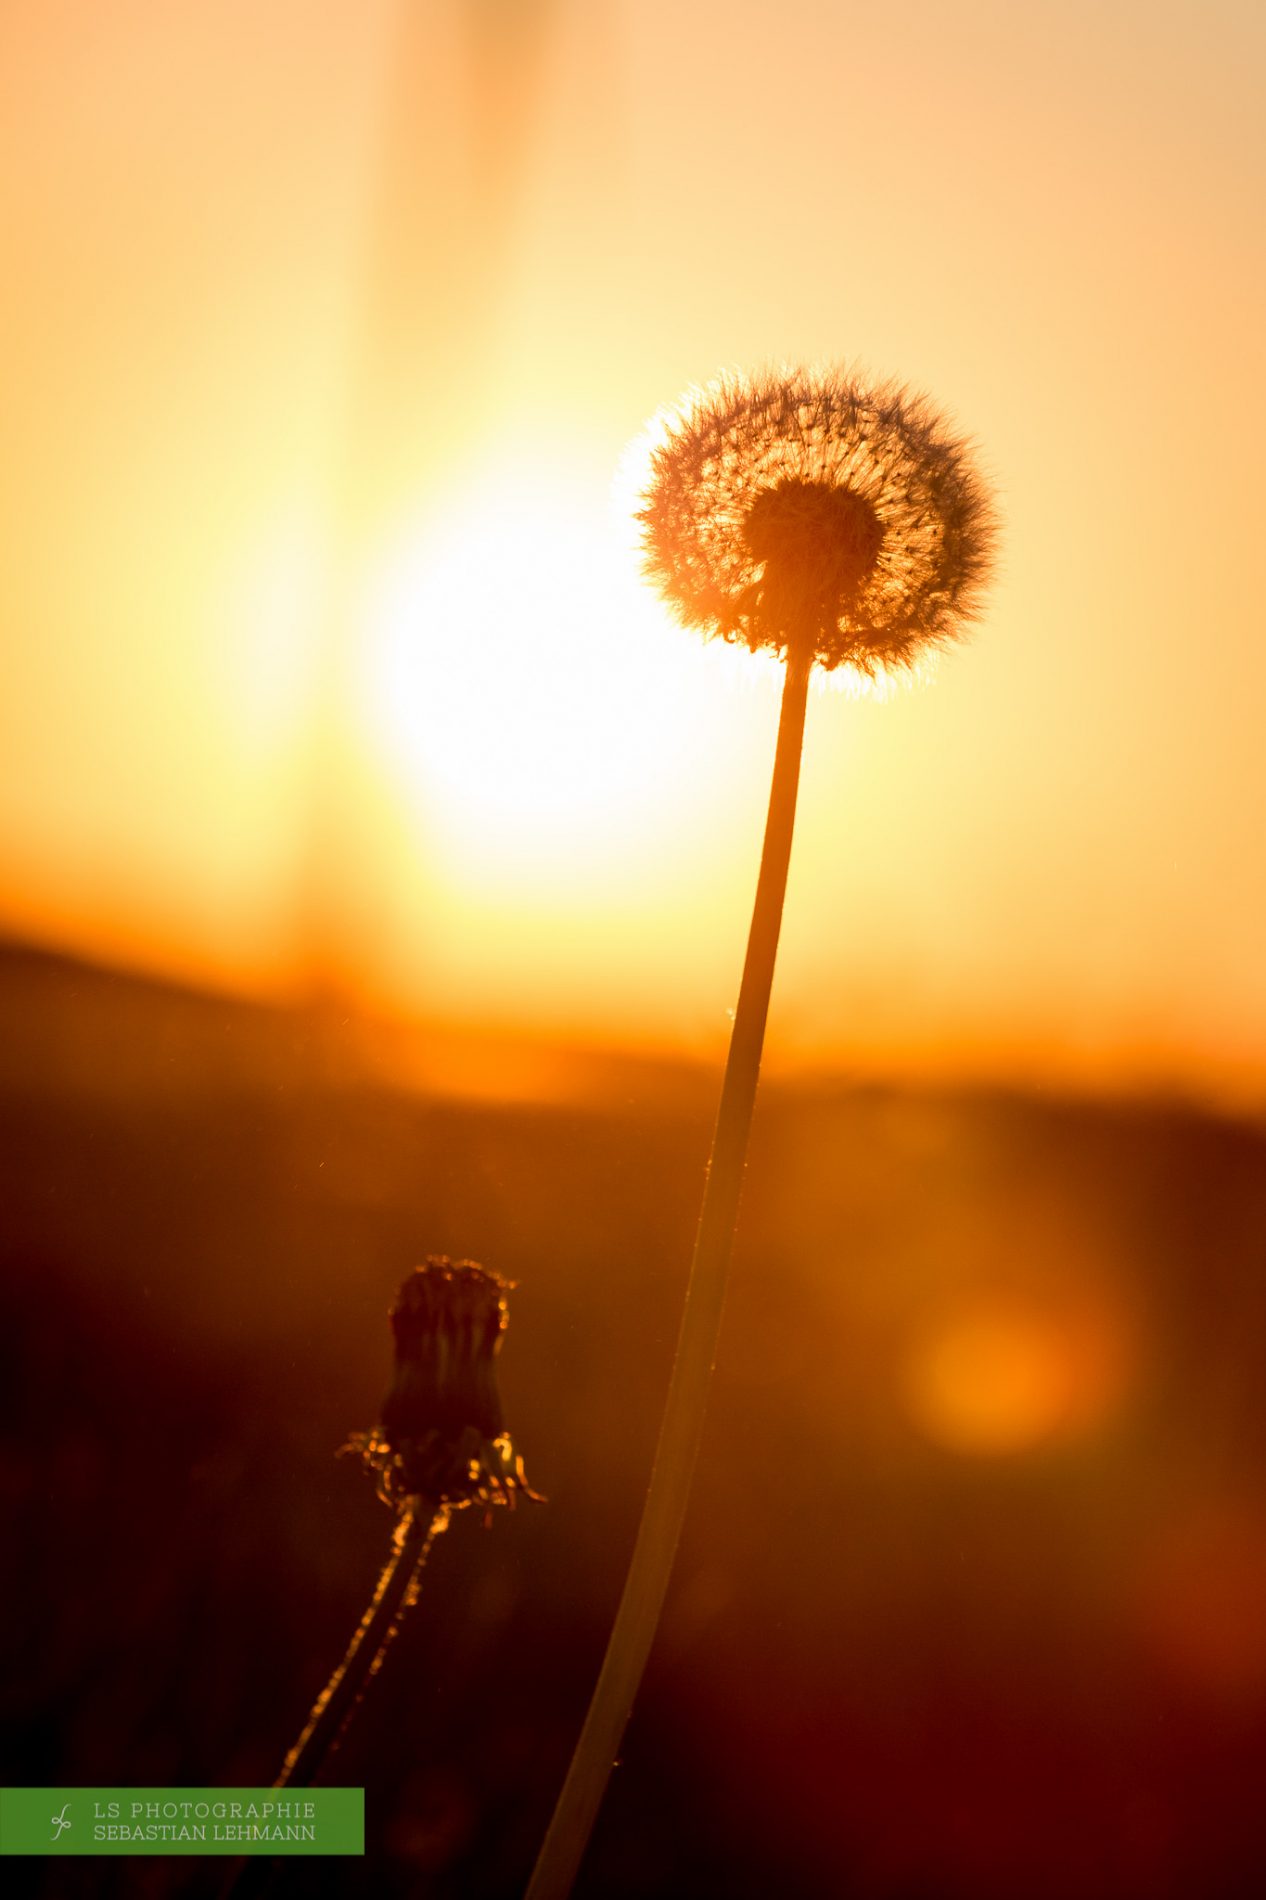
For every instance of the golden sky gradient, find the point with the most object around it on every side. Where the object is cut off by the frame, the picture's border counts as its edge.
(324, 329)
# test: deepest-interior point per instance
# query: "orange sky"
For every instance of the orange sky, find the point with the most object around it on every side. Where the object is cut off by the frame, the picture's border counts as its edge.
(324, 329)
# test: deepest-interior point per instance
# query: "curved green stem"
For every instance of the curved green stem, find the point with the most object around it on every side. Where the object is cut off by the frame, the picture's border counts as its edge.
(681, 1429)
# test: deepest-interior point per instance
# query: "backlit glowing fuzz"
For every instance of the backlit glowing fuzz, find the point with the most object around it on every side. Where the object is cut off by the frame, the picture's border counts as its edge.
(808, 512)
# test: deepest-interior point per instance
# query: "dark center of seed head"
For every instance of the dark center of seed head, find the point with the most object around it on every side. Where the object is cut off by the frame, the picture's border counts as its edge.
(819, 543)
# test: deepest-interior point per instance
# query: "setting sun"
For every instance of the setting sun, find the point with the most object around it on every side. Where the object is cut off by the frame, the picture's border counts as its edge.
(540, 712)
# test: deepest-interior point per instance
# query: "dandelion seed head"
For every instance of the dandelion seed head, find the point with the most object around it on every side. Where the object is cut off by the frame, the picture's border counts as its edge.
(805, 510)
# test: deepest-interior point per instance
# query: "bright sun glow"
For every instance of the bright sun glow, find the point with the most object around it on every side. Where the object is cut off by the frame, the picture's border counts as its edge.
(542, 712)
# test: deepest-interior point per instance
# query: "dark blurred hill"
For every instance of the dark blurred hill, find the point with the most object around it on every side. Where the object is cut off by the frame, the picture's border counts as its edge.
(972, 1601)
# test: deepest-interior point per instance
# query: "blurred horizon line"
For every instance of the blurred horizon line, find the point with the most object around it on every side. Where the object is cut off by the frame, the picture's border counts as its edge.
(337, 1037)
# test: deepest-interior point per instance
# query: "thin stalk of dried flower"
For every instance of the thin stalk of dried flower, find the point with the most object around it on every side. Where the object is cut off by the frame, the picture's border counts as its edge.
(396, 1592)
(440, 1447)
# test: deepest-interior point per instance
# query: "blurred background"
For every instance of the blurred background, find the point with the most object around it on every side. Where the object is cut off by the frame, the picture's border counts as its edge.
(375, 859)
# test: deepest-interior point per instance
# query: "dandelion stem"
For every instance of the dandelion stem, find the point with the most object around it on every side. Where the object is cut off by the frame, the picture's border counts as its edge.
(395, 1593)
(681, 1429)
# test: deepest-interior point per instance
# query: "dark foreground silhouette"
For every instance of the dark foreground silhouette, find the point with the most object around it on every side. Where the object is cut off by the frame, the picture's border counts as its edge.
(972, 1597)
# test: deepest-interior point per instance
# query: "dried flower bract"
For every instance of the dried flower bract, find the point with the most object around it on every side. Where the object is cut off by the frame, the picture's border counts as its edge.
(441, 1438)
(805, 511)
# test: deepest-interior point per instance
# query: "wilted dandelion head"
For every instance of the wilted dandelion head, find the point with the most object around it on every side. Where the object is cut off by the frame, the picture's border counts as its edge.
(804, 511)
(441, 1437)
